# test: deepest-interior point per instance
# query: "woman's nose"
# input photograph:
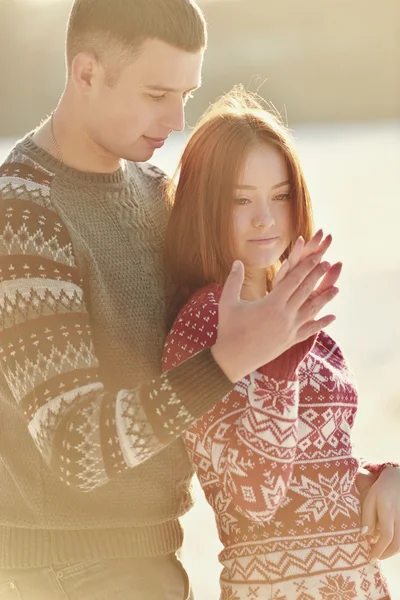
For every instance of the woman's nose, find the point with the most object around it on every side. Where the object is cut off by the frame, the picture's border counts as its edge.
(264, 219)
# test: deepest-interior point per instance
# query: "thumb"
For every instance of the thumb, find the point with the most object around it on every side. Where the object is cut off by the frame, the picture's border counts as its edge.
(233, 285)
(368, 518)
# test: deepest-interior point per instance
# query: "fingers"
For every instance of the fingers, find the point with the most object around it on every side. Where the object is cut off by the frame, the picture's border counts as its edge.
(379, 518)
(307, 285)
(375, 536)
(381, 506)
(364, 481)
(296, 253)
(323, 247)
(311, 308)
(281, 273)
(233, 285)
(290, 262)
(314, 327)
(295, 278)
(394, 547)
(302, 250)
(313, 245)
(316, 244)
(385, 540)
(368, 516)
(329, 279)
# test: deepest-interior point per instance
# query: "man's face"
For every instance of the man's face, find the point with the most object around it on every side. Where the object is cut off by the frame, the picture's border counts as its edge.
(135, 116)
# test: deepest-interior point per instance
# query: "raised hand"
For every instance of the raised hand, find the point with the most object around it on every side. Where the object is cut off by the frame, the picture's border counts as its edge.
(251, 334)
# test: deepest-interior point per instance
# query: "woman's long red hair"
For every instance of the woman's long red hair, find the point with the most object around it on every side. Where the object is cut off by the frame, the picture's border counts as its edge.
(198, 239)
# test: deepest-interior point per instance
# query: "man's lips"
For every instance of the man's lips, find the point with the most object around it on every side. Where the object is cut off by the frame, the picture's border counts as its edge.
(156, 142)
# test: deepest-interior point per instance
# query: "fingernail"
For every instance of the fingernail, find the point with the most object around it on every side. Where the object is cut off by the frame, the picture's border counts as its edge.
(325, 266)
(373, 560)
(364, 530)
(373, 538)
(284, 263)
(235, 266)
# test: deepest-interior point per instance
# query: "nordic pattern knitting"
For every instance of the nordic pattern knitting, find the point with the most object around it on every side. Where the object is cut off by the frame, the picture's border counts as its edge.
(81, 329)
(276, 464)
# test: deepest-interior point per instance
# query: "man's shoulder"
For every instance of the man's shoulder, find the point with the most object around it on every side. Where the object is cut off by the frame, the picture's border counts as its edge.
(21, 178)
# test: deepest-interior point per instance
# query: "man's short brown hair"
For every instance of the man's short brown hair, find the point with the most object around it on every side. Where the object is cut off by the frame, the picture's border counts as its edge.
(116, 29)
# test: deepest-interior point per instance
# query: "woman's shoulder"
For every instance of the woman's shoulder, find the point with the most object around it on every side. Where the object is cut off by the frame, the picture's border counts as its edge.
(201, 310)
(209, 293)
(202, 301)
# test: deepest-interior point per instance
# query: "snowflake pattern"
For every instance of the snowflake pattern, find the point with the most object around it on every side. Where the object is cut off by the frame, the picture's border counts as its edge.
(327, 495)
(228, 593)
(276, 464)
(311, 374)
(338, 587)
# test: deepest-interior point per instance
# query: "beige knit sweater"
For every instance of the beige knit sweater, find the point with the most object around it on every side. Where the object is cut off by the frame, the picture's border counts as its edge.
(91, 460)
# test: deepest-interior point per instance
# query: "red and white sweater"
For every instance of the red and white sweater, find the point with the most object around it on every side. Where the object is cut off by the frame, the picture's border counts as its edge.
(276, 464)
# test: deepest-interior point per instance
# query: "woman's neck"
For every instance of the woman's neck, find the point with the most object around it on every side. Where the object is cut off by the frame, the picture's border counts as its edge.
(254, 285)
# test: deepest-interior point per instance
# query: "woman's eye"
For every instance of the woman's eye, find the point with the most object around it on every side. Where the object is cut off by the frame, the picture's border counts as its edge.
(242, 200)
(282, 197)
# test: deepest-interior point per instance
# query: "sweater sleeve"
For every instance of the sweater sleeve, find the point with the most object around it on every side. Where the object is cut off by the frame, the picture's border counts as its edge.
(85, 433)
(250, 437)
(376, 468)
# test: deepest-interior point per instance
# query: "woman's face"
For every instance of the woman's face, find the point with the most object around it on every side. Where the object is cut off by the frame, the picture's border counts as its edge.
(262, 212)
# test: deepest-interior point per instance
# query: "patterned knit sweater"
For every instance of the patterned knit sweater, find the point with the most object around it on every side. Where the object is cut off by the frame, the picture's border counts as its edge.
(276, 464)
(92, 463)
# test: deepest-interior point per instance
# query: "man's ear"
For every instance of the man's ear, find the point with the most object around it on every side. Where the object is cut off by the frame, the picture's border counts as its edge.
(84, 69)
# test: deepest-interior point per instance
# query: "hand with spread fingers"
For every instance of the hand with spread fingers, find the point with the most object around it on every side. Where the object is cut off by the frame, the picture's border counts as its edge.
(251, 334)
(381, 513)
(301, 250)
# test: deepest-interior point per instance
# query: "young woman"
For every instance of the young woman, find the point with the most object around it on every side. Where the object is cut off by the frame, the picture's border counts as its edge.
(274, 457)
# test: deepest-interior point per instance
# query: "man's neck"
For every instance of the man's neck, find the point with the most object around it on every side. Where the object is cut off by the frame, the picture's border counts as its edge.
(66, 140)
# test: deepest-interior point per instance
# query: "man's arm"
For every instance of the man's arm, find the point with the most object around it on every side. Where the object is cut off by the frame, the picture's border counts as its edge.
(86, 434)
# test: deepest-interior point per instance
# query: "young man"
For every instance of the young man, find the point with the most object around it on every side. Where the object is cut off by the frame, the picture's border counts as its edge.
(93, 472)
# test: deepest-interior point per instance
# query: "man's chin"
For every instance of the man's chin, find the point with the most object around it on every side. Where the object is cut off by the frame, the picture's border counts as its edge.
(140, 155)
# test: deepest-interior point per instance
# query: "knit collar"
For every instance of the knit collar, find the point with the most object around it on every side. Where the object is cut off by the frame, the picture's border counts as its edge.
(50, 163)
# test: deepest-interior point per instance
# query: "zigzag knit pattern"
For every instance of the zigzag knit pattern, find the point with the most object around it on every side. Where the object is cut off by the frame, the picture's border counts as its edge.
(83, 406)
(276, 464)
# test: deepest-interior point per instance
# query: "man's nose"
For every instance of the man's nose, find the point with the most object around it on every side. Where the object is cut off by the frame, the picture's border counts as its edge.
(175, 120)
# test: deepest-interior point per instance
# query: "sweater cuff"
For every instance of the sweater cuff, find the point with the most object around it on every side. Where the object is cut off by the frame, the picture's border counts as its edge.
(285, 366)
(376, 469)
(199, 383)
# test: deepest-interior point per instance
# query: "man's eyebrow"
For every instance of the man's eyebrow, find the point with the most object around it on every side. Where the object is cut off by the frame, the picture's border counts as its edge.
(163, 88)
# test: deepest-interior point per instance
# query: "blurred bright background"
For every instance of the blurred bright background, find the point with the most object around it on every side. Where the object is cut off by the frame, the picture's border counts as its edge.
(333, 68)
